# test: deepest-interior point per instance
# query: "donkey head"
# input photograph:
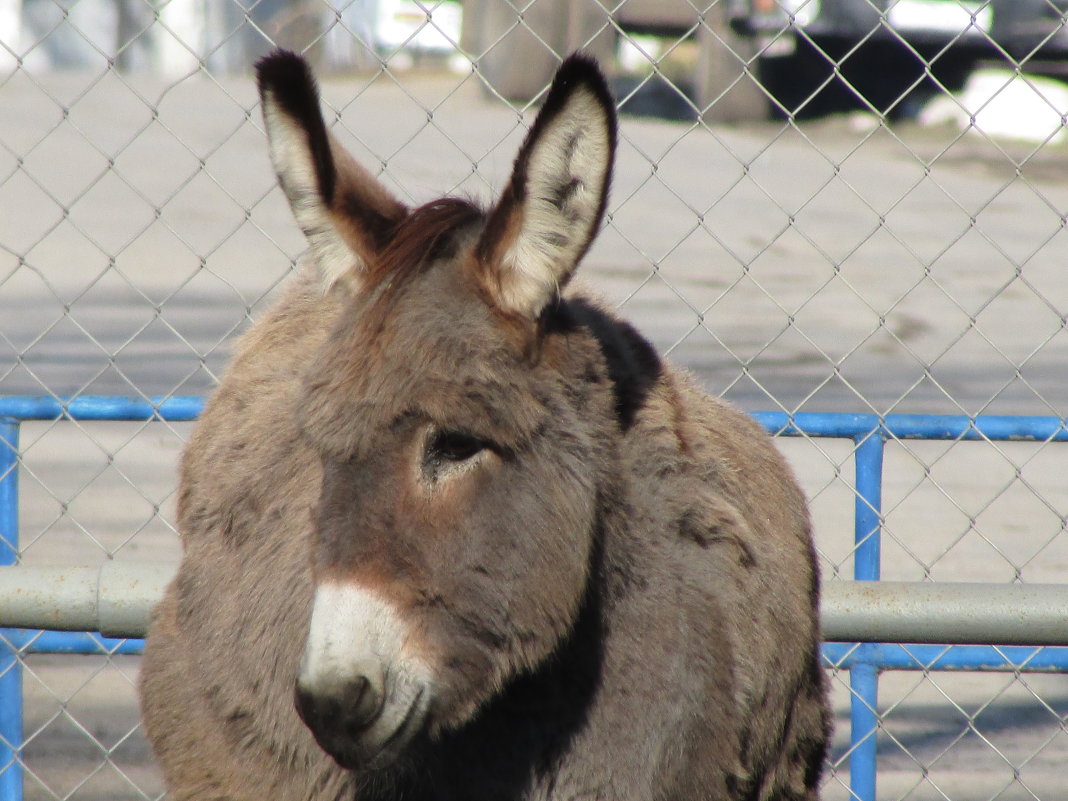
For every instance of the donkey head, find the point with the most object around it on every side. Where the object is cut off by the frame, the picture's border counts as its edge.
(464, 427)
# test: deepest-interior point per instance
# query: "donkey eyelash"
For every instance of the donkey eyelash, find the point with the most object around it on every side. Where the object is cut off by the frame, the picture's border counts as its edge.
(454, 446)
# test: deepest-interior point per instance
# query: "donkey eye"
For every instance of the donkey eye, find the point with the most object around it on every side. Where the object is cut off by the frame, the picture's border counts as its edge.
(454, 446)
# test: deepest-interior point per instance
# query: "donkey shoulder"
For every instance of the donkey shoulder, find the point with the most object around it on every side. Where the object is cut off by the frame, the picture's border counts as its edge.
(724, 498)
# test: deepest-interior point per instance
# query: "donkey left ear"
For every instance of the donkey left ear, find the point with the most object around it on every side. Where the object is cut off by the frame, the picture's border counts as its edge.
(549, 213)
(346, 214)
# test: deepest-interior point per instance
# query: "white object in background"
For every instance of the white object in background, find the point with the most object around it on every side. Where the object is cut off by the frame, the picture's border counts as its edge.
(180, 37)
(944, 16)
(1005, 104)
(402, 23)
(10, 33)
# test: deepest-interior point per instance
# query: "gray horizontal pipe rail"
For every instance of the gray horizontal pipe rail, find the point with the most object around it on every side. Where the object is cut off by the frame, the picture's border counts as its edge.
(954, 613)
(116, 600)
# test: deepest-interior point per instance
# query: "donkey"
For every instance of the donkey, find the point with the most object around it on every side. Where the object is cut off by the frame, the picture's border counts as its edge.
(451, 532)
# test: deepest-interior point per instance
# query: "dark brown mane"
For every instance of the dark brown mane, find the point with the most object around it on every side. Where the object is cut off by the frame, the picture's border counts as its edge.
(428, 233)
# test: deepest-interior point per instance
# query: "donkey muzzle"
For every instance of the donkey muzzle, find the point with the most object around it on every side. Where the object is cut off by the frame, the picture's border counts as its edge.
(360, 723)
(347, 707)
(358, 691)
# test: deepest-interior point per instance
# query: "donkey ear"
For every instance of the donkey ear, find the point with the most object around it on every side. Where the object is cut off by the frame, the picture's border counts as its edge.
(551, 209)
(345, 213)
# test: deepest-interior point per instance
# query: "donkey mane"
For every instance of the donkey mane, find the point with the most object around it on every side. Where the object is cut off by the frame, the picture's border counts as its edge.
(430, 232)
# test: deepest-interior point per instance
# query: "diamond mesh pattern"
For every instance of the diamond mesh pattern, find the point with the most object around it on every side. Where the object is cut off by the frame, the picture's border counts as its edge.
(903, 256)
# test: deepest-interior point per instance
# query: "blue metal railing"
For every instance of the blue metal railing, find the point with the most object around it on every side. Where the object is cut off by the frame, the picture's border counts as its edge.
(13, 411)
(864, 661)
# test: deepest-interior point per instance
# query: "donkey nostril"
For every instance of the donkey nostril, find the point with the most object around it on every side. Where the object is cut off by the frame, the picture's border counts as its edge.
(312, 707)
(350, 707)
(362, 702)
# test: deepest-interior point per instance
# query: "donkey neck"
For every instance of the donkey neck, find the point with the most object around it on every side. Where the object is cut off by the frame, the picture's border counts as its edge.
(517, 739)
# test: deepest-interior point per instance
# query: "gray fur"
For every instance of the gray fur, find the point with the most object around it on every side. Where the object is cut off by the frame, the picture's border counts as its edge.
(612, 612)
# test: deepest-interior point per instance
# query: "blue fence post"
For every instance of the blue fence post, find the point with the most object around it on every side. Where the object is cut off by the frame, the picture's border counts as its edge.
(864, 675)
(10, 669)
(863, 726)
(867, 552)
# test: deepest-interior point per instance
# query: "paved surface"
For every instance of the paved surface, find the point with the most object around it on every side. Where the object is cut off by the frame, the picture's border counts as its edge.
(819, 246)
(831, 270)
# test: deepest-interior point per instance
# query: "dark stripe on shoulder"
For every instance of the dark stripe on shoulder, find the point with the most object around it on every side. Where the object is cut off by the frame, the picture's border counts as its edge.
(634, 366)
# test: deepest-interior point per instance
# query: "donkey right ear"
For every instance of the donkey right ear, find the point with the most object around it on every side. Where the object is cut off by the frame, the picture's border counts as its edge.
(346, 214)
(553, 205)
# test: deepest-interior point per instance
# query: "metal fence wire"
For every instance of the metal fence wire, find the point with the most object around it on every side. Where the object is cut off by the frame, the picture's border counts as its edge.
(841, 206)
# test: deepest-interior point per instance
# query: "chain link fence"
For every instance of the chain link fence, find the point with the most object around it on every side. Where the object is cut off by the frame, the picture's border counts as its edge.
(831, 205)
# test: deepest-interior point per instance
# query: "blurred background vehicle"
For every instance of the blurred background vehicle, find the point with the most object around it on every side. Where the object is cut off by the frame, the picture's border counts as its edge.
(723, 61)
(890, 56)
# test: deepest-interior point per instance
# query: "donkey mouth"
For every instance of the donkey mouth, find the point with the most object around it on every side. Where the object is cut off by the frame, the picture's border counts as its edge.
(356, 743)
